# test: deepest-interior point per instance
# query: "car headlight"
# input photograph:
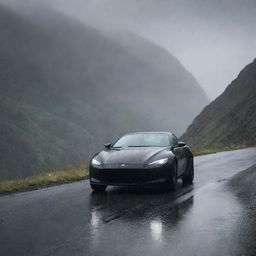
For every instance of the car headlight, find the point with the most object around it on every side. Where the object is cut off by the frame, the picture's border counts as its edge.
(96, 163)
(159, 162)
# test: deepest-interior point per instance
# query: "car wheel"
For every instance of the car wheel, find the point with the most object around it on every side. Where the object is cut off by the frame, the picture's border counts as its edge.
(98, 188)
(190, 177)
(172, 182)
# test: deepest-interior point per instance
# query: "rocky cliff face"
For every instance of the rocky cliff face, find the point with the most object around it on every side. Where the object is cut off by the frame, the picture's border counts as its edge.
(230, 120)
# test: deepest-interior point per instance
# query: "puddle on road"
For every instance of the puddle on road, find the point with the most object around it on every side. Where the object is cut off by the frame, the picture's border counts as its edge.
(210, 226)
(199, 224)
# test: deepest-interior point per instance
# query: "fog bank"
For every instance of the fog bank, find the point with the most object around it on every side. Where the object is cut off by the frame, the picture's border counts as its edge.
(213, 39)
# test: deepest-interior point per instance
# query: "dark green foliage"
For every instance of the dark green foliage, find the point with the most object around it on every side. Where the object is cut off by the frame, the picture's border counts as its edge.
(66, 89)
(230, 120)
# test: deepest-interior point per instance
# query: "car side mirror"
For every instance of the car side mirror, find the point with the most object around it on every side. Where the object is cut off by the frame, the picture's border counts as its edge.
(181, 144)
(108, 145)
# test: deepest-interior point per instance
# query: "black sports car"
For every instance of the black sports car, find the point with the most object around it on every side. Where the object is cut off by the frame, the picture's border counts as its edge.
(142, 158)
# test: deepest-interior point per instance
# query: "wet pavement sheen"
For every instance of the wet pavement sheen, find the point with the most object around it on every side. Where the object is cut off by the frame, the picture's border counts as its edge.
(200, 219)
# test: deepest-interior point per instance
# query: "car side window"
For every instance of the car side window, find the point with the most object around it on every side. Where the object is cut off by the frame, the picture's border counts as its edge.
(174, 141)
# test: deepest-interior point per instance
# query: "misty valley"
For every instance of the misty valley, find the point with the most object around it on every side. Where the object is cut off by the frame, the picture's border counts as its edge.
(67, 88)
(127, 127)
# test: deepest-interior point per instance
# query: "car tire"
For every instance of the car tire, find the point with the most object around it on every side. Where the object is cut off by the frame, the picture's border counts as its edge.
(190, 177)
(172, 182)
(98, 188)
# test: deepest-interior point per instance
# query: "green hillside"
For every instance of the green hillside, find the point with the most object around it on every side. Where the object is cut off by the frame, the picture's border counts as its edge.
(66, 89)
(230, 120)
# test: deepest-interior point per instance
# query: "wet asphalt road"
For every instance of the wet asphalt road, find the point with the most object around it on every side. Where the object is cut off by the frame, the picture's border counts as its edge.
(200, 219)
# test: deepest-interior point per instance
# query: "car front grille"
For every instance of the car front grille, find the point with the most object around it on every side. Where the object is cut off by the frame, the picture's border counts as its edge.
(127, 176)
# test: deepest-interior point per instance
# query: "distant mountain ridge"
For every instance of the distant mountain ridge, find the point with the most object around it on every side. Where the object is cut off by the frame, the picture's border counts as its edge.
(230, 120)
(67, 88)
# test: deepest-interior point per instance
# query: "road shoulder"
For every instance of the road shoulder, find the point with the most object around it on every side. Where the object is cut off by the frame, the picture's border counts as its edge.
(244, 187)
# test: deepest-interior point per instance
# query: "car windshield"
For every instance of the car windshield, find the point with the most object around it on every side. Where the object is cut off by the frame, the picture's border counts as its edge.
(144, 140)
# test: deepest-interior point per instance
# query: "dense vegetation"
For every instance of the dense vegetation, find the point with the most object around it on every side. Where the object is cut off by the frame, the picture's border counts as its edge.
(67, 88)
(230, 120)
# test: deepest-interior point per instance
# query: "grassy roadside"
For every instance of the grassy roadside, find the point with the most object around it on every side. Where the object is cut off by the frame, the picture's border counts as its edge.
(69, 174)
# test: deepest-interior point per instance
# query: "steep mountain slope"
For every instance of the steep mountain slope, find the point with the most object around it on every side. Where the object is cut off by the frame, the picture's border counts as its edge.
(230, 120)
(67, 88)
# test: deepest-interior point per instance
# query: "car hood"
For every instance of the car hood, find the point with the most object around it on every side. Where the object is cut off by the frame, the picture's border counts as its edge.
(134, 156)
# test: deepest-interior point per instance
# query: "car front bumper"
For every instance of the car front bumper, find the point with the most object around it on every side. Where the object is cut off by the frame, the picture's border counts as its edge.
(130, 176)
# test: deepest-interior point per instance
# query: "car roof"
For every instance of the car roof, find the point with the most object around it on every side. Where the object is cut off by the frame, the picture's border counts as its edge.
(161, 132)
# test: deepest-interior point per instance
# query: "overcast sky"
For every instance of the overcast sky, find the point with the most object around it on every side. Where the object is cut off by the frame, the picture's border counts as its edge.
(214, 39)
